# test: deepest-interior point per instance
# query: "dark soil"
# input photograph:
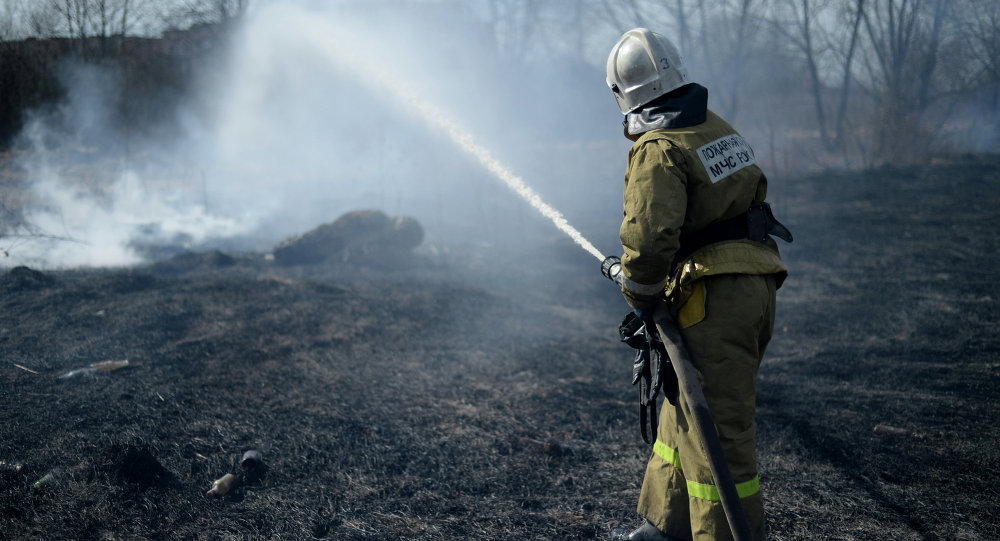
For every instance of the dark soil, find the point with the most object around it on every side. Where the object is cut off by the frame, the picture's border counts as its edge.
(465, 398)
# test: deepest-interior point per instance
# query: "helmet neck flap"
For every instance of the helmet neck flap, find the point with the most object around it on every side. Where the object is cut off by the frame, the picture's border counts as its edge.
(685, 106)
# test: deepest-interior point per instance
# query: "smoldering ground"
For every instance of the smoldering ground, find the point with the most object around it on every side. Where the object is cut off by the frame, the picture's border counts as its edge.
(408, 404)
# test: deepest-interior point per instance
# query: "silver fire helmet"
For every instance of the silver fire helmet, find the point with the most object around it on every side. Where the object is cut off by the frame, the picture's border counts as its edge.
(643, 66)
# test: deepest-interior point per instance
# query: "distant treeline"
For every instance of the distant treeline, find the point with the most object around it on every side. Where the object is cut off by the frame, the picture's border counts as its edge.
(814, 82)
(148, 77)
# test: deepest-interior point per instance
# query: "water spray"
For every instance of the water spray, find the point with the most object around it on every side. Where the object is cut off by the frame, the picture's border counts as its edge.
(331, 44)
(468, 144)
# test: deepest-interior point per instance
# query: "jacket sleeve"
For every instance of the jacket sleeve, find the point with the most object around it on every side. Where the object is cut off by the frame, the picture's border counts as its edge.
(655, 201)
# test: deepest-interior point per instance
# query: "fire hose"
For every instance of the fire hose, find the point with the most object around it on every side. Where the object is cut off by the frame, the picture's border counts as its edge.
(690, 389)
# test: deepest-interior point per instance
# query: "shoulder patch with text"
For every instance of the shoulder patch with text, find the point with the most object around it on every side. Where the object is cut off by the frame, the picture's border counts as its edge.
(725, 156)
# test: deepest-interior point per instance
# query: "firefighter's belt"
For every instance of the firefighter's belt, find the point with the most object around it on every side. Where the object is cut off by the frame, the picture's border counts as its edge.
(756, 224)
(651, 370)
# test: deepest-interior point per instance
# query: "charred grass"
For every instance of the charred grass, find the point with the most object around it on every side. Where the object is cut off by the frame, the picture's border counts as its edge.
(441, 402)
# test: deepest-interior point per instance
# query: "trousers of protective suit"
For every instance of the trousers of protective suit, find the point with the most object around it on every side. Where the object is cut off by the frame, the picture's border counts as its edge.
(726, 347)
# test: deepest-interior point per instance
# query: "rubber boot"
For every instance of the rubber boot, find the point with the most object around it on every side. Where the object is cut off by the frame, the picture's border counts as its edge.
(647, 532)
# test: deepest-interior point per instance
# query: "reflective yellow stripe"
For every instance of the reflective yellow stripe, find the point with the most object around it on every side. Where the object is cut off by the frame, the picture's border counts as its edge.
(701, 490)
(710, 493)
(667, 453)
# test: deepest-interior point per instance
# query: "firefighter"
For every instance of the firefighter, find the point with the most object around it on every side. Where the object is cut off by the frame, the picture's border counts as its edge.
(696, 236)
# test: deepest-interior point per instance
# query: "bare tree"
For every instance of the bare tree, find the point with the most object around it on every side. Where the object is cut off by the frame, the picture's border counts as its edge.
(797, 24)
(981, 26)
(855, 17)
(75, 17)
(209, 11)
(9, 20)
(77, 12)
(903, 39)
(71, 18)
(41, 21)
(800, 22)
(683, 28)
(727, 35)
(662, 17)
(624, 14)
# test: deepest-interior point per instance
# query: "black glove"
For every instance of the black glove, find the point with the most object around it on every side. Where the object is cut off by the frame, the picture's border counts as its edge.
(638, 331)
(666, 378)
(630, 330)
(651, 369)
(650, 360)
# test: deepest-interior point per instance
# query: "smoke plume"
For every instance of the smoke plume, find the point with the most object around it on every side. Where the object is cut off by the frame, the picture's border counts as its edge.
(303, 121)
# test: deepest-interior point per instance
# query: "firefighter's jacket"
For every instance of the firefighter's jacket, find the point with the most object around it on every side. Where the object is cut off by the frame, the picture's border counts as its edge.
(680, 180)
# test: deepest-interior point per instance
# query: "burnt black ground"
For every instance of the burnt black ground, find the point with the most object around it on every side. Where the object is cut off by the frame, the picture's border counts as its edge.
(476, 400)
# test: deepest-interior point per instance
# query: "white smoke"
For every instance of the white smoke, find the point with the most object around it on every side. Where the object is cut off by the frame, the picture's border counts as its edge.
(297, 133)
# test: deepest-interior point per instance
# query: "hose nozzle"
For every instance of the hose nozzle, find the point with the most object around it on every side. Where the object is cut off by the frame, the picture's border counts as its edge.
(612, 268)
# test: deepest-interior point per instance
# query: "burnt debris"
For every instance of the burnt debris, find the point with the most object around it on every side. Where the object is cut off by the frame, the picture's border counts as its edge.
(360, 236)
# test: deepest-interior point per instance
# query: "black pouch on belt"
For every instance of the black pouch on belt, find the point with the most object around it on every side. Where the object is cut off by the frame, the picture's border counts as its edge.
(761, 223)
(773, 227)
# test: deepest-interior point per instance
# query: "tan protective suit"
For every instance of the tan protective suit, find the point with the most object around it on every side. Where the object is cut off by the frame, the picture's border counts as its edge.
(678, 181)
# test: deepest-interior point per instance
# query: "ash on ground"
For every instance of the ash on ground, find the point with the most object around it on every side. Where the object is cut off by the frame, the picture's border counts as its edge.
(451, 401)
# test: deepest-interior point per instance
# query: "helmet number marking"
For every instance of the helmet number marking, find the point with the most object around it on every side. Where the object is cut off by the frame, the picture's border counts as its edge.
(664, 63)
